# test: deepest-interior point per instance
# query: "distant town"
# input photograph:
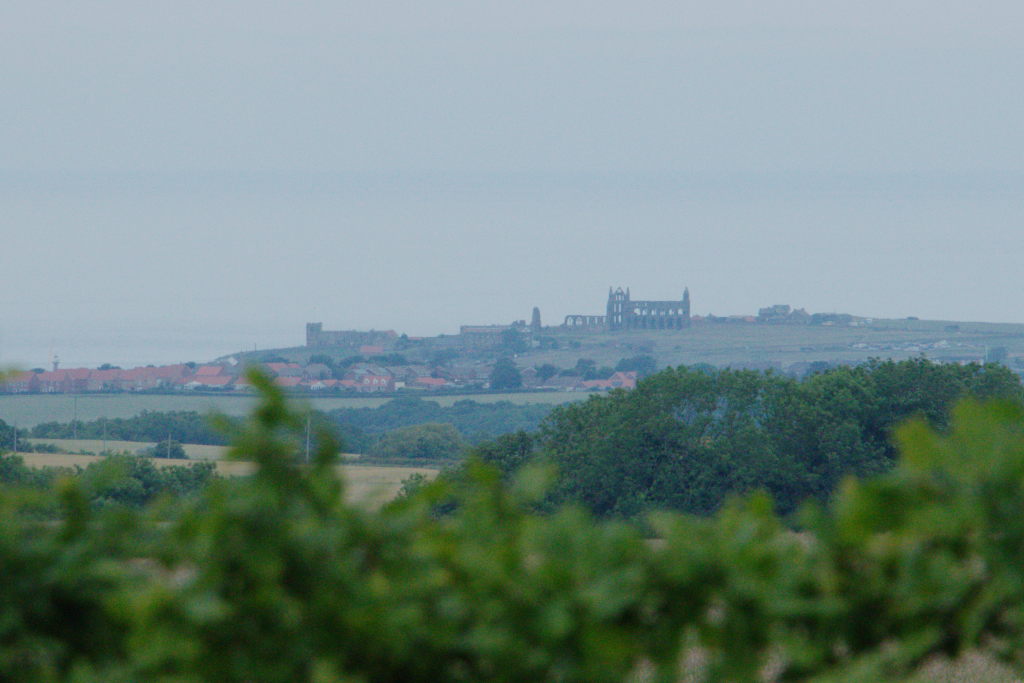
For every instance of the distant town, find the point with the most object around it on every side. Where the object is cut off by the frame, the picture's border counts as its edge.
(585, 352)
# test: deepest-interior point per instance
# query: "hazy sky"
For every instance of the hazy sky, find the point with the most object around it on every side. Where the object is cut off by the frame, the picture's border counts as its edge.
(179, 180)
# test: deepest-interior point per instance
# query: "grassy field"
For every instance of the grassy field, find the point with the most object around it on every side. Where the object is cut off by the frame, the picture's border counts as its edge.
(30, 410)
(731, 343)
(364, 484)
(735, 343)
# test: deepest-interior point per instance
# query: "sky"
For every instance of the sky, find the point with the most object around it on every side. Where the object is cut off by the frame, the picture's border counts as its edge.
(182, 180)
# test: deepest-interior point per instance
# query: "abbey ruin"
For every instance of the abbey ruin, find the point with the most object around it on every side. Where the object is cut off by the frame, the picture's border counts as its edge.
(625, 313)
(622, 312)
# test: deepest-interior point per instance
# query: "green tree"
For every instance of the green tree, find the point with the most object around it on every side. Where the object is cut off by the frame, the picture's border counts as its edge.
(275, 577)
(14, 472)
(585, 365)
(128, 480)
(390, 359)
(168, 448)
(686, 439)
(642, 365)
(512, 340)
(149, 425)
(7, 436)
(421, 442)
(546, 371)
(505, 375)
(443, 357)
(323, 359)
(508, 453)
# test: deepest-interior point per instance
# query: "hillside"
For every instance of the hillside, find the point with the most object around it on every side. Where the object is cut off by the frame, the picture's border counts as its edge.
(741, 344)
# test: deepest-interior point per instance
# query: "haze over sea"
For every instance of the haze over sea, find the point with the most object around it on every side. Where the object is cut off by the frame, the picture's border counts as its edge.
(185, 181)
(237, 261)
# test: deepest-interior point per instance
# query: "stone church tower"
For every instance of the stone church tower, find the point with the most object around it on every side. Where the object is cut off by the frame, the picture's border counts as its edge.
(535, 321)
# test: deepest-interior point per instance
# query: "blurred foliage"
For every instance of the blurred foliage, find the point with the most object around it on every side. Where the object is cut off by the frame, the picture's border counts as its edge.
(115, 480)
(361, 428)
(273, 577)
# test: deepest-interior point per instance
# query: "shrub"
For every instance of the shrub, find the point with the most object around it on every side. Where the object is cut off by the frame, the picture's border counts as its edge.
(274, 577)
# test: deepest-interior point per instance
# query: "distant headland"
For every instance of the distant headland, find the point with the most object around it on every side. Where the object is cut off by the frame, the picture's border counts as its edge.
(585, 352)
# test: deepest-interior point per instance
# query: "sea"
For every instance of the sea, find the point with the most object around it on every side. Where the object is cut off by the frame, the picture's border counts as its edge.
(157, 269)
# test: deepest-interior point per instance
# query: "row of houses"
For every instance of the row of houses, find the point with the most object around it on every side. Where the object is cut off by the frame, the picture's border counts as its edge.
(619, 380)
(313, 377)
(82, 380)
(358, 378)
(361, 378)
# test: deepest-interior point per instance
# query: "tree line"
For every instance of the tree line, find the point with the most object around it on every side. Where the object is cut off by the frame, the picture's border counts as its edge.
(475, 422)
(273, 577)
(361, 429)
(183, 426)
(116, 480)
(686, 439)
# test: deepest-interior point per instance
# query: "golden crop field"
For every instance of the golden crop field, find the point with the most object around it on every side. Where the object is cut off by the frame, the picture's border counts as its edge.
(373, 485)
(94, 446)
(369, 485)
(225, 467)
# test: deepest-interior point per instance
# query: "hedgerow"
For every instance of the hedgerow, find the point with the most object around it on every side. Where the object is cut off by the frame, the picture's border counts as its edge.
(274, 577)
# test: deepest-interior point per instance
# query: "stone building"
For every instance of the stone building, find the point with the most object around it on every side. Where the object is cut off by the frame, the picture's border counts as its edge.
(316, 336)
(622, 312)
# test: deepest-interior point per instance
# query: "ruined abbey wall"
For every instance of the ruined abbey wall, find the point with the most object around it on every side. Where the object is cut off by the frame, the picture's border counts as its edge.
(624, 313)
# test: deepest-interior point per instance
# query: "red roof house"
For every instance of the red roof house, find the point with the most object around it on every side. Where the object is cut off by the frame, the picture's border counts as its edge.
(218, 382)
(20, 383)
(371, 350)
(431, 382)
(284, 369)
(619, 380)
(369, 382)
